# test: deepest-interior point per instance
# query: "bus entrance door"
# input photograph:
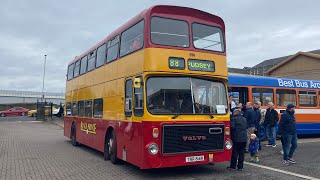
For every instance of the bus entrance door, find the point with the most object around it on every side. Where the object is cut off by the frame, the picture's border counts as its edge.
(134, 112)
(240, 94)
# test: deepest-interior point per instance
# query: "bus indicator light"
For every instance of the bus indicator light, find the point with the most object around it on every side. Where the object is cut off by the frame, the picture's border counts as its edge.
(210, 157)
(155, 132)
(176, 63)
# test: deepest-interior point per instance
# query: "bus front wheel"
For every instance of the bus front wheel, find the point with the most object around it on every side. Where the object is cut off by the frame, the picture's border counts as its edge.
(110, 148)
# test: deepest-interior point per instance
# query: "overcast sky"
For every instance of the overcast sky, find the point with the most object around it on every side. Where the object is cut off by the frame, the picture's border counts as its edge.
(255, 31)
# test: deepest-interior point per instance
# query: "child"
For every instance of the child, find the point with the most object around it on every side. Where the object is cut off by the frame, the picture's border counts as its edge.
(254, 148)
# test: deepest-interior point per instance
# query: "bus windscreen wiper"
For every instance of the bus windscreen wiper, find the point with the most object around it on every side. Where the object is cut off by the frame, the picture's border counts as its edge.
(193, 104)
(179, 113)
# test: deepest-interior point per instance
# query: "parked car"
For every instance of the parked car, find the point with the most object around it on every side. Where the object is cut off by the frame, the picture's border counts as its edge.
(15, 111)
(55, 112)
(33, 113)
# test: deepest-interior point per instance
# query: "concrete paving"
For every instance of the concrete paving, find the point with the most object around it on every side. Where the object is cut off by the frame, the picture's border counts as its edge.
(38, 150)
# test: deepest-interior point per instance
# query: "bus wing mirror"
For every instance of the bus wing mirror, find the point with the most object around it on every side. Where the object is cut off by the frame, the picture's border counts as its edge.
(137, 82)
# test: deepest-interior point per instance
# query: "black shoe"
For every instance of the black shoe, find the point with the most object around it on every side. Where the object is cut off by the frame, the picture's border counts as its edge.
(231, 169)
(246, 151)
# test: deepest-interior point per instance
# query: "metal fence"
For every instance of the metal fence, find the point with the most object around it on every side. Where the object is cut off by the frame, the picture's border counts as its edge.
(44, 110)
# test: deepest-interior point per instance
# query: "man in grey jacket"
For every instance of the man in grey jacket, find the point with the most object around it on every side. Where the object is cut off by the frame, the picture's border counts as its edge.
(238, 127)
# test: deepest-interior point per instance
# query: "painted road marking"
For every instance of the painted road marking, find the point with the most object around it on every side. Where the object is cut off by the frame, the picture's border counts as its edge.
(282, 171)
(302, 141)
(29, 121)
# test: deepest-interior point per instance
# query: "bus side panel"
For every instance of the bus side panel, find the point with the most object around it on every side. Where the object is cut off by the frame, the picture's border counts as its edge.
(129, 142)
(101, 129)
(83, 137)
(308, 128)
(67, 126)
(129, 139)
(306, 118)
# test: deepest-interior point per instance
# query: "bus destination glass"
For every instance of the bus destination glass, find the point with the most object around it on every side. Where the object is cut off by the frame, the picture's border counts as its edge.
(176, 63)
(201, 65)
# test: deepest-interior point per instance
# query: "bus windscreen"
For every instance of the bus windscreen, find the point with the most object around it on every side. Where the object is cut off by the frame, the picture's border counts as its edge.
(185, 95)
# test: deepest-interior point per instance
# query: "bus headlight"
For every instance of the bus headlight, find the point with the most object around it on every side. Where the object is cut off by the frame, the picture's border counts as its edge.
(153, 149)
(228, 145)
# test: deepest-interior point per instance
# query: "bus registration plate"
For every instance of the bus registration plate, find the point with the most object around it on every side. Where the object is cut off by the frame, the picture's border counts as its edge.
(194, 158)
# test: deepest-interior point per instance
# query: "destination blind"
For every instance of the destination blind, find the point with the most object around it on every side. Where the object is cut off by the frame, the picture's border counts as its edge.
(201, 65)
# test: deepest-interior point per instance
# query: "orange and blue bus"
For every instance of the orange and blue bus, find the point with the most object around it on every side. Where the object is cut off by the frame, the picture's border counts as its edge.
(305, 94)
(154, 92)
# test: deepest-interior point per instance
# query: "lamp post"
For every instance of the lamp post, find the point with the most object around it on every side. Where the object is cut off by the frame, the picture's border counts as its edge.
(44, 74)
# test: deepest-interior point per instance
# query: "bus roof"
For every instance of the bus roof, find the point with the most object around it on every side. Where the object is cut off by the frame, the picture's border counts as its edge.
(157, 9)
(248, 80)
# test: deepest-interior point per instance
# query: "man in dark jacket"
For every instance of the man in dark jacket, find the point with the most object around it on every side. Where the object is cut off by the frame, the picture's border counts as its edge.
(287, 128)
(238, 126)
(257, 110)
(250, 116)
(60, 111)
(271, 120)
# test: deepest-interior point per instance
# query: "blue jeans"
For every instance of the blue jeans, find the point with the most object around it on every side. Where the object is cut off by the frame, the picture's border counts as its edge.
(271, 134)
(287, 141)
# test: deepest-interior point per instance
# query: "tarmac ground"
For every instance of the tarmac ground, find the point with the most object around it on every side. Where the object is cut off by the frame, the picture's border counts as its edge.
(31, 149)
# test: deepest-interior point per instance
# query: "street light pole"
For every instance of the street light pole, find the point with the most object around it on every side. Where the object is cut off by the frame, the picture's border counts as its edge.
(44, 74)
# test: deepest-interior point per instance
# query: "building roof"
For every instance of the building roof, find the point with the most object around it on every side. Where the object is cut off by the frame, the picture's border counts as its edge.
(308, 54)
(272, 62)
(315, 51)
(237, 70)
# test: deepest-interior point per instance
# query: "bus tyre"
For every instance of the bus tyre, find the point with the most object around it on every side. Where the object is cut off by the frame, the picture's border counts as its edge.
(112, 148)
(73, 135)
(106, 154)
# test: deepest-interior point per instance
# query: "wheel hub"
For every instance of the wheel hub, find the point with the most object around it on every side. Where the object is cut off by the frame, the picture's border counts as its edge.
(110, 144)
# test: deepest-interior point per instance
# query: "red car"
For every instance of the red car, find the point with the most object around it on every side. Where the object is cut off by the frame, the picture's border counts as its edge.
(15, 111)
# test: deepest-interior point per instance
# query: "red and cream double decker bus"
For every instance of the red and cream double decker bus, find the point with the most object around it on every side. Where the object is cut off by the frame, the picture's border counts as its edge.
(153, 93)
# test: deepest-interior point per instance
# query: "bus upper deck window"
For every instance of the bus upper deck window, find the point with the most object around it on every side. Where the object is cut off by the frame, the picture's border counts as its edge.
(169, 32)
(207, 37)
(132, 39)
(70, 71)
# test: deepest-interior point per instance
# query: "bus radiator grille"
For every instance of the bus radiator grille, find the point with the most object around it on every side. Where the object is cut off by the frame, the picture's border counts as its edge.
(192, 138)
